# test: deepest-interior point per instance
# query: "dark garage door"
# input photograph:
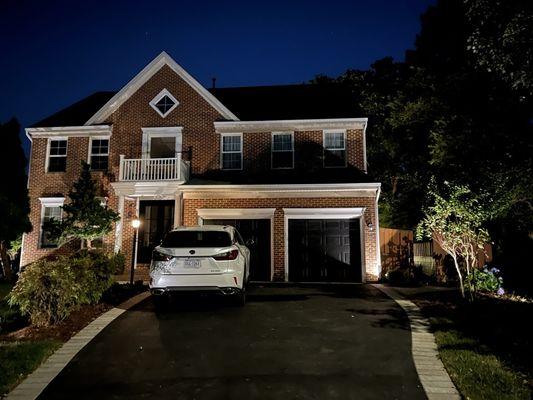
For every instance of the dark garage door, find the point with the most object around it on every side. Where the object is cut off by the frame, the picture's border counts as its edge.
(324, 250)
(259, 231)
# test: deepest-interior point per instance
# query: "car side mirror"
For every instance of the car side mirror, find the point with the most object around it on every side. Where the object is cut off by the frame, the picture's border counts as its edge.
(249, 242)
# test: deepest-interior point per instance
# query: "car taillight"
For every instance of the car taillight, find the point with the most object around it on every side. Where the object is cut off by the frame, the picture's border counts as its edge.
(228, 255)
(157, 256)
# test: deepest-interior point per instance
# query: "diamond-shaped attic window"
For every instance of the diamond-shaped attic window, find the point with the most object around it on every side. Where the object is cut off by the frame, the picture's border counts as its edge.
(164, 103)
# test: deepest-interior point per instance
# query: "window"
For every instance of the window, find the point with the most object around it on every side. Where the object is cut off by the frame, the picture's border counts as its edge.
(232, 151)
(197, 239)
(282, 150)
(51, 209)
(164, 103)
(163, 147)
(99, 154)
(57, 155)
(335, 149)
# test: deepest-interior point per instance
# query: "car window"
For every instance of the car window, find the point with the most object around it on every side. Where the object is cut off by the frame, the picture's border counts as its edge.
(197, 239)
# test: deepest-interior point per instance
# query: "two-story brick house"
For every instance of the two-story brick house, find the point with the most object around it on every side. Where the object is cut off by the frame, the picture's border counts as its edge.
(286, 165)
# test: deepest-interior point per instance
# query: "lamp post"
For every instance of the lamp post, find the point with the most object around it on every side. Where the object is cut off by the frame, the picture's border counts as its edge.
(135, 223)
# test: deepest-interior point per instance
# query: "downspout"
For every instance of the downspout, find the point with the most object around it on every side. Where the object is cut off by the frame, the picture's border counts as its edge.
(378, 246)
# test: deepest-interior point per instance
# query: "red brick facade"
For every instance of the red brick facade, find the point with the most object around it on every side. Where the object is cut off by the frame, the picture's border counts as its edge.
(196, 117)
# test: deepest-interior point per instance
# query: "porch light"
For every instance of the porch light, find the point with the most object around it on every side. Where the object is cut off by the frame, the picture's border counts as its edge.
(135, 223)
(370, 226)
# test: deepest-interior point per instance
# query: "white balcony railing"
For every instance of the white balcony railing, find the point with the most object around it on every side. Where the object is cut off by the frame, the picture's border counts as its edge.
(153, 169)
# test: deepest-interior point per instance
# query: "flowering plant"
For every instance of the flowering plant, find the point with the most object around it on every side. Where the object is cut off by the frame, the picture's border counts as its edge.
(488, 279)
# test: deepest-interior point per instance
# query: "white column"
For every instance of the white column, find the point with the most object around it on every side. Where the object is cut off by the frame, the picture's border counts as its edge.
(118, 225)
(178, 201)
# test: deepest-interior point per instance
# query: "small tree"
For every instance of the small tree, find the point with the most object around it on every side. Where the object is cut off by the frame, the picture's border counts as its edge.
(455, 221)
(86, 218)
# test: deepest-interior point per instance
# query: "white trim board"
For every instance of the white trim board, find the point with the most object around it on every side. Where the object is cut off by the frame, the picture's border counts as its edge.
(242, 213)
(324, 213)
(289, 125)
(68, 131)
(142, 77)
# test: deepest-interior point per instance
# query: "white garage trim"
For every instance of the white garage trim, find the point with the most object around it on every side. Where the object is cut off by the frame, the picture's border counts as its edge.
(323, 213)
(242, 213)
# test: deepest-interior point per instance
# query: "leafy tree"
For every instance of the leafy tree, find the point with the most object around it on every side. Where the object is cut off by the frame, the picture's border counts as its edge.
(501, 39)
(14, 201)
(86, 218)
(455, 220)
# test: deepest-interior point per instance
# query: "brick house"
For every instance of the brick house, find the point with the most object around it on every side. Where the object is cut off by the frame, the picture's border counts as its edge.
(285, 164)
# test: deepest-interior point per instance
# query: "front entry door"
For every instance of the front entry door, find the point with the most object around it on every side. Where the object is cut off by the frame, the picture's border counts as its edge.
(157, 218)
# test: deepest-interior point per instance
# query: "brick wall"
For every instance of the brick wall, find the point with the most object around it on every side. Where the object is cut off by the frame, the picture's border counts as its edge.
(191, 218)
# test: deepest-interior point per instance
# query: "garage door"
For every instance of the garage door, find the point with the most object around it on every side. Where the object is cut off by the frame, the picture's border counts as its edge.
(259, 231)
(324, 250)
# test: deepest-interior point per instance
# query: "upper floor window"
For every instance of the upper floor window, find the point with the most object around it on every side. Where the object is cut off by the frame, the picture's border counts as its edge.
(51, 209)
(99, 156)
(282, 150)
(231, 151)
(164, 103)
(335, 149)
(57, 155)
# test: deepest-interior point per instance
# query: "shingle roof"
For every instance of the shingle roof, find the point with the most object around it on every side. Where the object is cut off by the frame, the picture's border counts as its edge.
(306, 101)
(251, 103)
(78, 113)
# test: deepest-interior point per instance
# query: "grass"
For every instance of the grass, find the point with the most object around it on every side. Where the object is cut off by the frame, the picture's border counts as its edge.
(485, 346)
(19, 359)
(477, 373)
(10, 317)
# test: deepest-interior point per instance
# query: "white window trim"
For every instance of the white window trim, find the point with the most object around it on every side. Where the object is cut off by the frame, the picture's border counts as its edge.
(242, 213)
(47, 161)
(324, 133)
(160, 95)
(168, 131)
(222, 151)
(91, 149)
(324, 213)
(49, 202)
(281, 151)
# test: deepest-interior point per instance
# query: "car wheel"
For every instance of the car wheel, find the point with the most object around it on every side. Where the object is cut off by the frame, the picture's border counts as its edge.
(239, 299)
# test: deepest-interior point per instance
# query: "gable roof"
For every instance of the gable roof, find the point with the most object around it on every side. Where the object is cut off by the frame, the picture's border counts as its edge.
(76, 114)
(305, 101)
(147, 72)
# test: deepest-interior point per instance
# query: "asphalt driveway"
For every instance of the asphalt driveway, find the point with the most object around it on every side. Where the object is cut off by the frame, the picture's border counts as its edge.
(288, 342)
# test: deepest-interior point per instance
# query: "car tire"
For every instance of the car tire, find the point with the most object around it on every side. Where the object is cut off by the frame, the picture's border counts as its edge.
(239, 299)
(160, 303)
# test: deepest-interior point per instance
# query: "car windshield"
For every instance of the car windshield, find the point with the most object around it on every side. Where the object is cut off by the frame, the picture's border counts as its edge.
(197, 239)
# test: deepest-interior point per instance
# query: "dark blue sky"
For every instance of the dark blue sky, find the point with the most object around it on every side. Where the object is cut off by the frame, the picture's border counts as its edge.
(54, 53)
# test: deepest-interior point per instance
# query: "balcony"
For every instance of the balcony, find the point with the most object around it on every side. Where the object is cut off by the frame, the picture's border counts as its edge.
(153, 169)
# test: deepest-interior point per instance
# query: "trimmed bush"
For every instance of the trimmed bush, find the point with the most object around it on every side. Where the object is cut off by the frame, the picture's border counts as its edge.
(94, 269)
(48, 291)
(485, 280)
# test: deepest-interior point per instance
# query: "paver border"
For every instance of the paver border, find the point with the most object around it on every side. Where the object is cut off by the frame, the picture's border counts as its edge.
(434, 378)
(36, 382)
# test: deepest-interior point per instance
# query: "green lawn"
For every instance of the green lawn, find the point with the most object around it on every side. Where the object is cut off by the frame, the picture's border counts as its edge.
(19, 359)
(486, 346)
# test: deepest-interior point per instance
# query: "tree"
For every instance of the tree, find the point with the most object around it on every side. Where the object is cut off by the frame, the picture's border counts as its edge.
(86, 218)
(455, 220)
(501, 39)
(14, 200)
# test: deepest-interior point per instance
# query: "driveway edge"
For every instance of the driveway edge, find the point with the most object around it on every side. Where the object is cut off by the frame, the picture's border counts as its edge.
(431, 372)
(36, 382)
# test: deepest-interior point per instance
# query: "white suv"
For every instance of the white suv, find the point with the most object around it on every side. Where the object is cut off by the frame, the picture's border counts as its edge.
(209, 258)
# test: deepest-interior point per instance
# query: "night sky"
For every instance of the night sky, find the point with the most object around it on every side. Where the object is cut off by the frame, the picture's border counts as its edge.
(54, 53)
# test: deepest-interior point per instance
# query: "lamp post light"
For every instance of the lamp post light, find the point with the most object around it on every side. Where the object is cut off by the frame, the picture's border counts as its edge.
(135, 223)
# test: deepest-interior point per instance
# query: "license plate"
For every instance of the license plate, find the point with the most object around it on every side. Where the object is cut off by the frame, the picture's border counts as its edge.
(191, 264)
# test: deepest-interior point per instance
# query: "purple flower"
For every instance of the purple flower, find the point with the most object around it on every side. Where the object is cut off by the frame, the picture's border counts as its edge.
(500, 291)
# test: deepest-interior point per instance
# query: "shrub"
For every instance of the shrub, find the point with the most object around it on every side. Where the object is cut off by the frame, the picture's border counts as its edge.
(119, 263)
(94, 269)
(410, 276)
(48, 291)
(485, 280)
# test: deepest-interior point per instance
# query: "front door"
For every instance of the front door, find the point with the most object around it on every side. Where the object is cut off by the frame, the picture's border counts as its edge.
(157, 218)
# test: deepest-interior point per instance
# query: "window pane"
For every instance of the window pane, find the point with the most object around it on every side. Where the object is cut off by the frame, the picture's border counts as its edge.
(100, 147)
(334, 140)
(99, 163)
(282, 142)
(163, 147)
(164, 104)
(334, 158)
(231, 143)
(197, 239)
(49, 213)
(58, 147)
(57, 164)
(282, 159)
(231, 161)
